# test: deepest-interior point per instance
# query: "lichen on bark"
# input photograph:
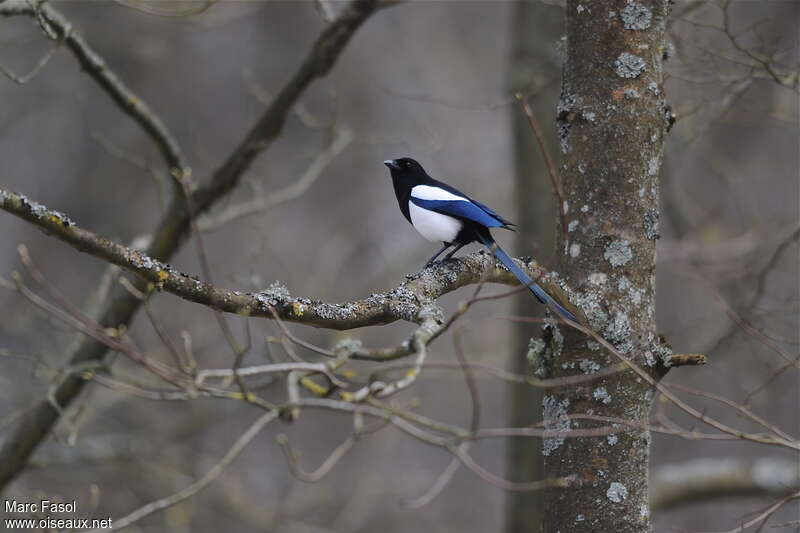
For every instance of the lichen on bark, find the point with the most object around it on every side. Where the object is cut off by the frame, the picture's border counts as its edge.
(609, 168)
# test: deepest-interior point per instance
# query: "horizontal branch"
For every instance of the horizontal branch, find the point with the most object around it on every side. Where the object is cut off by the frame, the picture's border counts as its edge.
(172, 229)
(405, 302)
(702, 480)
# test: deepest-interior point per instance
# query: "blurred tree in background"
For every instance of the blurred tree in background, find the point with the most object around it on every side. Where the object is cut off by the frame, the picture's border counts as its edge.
(209, 138)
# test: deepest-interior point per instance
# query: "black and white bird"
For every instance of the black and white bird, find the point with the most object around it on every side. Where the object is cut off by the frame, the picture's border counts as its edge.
(442, 213)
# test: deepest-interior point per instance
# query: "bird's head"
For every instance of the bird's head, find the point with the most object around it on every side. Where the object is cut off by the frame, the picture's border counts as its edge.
(405, 168)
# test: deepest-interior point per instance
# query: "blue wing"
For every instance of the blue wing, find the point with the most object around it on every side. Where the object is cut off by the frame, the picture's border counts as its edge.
(493, 213)
(463, 209)
(486, 208)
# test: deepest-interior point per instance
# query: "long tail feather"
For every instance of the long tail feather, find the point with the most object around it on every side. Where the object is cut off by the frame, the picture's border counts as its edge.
(523, 278)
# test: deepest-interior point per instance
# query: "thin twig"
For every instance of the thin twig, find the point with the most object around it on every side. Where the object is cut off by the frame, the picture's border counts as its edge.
(271, 368)
(333, 458)
(341, 140)
(555, 179)
(683, 406)
(94, 65)
(25, 78)
(738, 407)
(764, 516)
(177, 358)
(192, 489)
(74, 317)
(444, 478)
(172, 229)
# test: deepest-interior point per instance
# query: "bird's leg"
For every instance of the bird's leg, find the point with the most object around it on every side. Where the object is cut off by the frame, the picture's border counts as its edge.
(454, 250)
(437, 254)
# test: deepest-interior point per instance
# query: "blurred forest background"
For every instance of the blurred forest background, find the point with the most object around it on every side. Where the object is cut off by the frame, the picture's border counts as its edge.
(431, 80)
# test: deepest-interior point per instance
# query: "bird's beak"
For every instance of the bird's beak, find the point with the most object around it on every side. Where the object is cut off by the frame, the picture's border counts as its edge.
(392, 164)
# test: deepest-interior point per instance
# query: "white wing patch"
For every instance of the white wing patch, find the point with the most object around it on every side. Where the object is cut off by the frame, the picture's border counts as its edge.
(426, 192)
(435, 227)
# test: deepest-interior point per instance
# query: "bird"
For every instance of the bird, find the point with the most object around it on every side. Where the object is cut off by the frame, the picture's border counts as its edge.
(441, 213)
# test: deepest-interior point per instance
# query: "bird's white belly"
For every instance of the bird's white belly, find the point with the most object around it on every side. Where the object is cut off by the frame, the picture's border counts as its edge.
(435, 227)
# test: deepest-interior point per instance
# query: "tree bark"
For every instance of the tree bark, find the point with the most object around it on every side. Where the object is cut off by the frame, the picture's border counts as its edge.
(612, 122)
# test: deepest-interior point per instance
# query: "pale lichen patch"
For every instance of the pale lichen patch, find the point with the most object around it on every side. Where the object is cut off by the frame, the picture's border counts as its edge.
(588, 367)
(636, 296)
(558, 338)
(662, 351)
(652, 166)
(628, 65)
(618, 331)
(277, 290)
(601, 395)
(616, 492)
(618, 252)
(347, 346)
(591, 304)
(537, 353)
(631, 93)
(651, 229)
(635, 16)
(555, 418)
(598, 278)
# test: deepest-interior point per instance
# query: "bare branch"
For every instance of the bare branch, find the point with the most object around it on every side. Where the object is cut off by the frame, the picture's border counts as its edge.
(340, 141)
(25, 78)
(335, 456)
(94, 65)
(88, 327)
(756, 333)
(711, 478)
(322, 368)
(555, 179)
(173, 228)
(326, 10)
(405, 302)
(680, 404)
(429, 327)
(738, 407)
(184, 8)
(762, 517)
(447, 474)
(189, 491)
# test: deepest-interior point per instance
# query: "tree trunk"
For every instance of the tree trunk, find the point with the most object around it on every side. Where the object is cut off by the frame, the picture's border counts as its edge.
(534, 67)
(611, 128)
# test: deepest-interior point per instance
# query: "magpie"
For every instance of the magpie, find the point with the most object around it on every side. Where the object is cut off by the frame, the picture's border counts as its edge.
(442, 213)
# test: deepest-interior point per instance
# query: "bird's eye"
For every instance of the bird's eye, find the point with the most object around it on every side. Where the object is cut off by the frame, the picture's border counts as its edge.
(407, 164)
